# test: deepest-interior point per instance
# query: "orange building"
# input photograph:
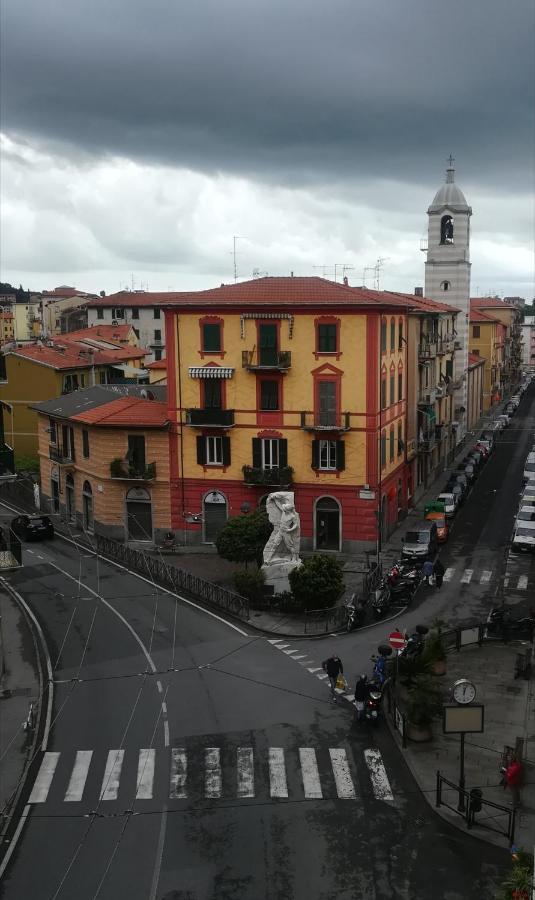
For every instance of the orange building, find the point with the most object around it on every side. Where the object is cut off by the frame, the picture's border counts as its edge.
(104, 462)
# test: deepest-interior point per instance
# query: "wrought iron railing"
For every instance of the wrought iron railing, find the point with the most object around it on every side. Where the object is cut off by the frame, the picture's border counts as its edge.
(61, 456)
(325, 421)
(266, 358)
(176, 579)
(213, 418)
(275, 477)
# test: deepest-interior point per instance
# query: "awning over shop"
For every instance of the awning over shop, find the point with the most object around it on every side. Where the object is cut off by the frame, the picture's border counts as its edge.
(210, 372)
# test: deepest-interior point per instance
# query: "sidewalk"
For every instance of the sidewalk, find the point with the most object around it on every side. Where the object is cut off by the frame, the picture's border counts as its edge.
(509, 715)
(19, 686)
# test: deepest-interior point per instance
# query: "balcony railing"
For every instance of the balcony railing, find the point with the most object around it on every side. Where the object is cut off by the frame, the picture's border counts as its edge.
(268, 477)
(427, 396)
(325, 421)
(61, 456)
(427, 442)
(210, 418)
(427, 350)
(122, 469)
(280, 360)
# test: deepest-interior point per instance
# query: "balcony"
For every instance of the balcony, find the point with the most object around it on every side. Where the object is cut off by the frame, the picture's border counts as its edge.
(427, 396)
(123, 470)
(266, 360)
(411, 449)
(427, 350)
(325, 421)
(282, 477)
(210, 418)
(61, 455)
(427, 442)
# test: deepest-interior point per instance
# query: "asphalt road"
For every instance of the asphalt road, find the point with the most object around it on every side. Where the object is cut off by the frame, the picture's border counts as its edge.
(190, 760)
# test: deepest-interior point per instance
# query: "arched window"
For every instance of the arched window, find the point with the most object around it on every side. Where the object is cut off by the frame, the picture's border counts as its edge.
(392, 334)
(391, 442)
(445, 285)
(400, 334)
(383, 335)
(87, 498)
(446, 230)
(383, 449)
(70, 508)
(327, 524)
(401, 445)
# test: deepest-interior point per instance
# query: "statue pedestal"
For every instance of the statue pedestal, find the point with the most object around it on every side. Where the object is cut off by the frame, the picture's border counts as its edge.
(276, 573)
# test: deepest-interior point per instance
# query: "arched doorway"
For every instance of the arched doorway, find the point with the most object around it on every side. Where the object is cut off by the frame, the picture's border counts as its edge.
(138, 515)
(327, 529)
(70, 508)
(214, 515)
(87, 503)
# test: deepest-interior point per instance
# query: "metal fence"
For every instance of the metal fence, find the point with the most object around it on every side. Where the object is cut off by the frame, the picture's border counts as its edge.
(322, 621)
(476, 810)
(174, 578)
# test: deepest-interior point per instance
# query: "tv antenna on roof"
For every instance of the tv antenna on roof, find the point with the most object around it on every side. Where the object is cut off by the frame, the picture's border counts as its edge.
(235, 238)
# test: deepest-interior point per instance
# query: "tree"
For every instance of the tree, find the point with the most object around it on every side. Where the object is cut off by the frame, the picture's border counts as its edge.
(243, 538)
(318, 583)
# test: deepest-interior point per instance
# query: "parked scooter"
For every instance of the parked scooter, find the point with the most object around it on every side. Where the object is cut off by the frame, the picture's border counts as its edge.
(501, 625)
(403, 579)
(381, 599)
(355, 613)
(415, 643)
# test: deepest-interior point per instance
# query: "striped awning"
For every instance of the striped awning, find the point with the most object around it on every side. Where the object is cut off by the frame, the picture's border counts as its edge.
(210, 372)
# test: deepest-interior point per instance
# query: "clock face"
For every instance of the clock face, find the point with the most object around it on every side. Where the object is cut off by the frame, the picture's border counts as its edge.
(464, 691)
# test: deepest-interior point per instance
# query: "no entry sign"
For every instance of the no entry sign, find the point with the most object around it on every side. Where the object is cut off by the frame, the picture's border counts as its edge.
(397, 640)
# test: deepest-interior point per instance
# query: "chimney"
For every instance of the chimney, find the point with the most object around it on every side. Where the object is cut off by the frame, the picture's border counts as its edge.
(418, 291)
(291, 274)
(102, 293)
(346, 281)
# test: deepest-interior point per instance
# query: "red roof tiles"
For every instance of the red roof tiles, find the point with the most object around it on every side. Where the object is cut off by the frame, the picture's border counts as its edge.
(126, 412)
(476, 315)
(157, 364)
(118, 334)
(65, 354)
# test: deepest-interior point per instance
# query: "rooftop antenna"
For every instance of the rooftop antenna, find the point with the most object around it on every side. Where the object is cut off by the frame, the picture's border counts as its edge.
(366, 269)
(324, 269)
(377, 268)
(344, 267)
(235, 238)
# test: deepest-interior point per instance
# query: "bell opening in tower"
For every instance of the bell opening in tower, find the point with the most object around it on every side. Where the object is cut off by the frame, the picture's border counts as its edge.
(446, 230)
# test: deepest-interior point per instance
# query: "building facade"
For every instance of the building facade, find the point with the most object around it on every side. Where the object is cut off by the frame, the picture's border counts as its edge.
(104, 464)
(487, 340)
(447, 275)
(509, 315)
(528, 343)
(476, 382)
(140, 309)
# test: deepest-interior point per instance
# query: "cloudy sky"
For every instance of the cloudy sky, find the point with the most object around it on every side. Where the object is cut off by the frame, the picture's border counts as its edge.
(140, 136)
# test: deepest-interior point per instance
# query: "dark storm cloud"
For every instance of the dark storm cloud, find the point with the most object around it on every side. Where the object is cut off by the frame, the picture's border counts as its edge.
(289, 89)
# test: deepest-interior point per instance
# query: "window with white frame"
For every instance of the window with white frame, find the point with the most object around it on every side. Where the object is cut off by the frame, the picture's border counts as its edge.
(270, 453)
(327, 455)
(214, 451)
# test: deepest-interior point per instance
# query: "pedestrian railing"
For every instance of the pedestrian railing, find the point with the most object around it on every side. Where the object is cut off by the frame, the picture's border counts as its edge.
(170, 576)
(472, 806)
(322, 621)
(455, 638)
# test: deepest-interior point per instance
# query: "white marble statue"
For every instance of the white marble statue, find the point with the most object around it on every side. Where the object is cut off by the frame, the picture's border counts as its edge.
(283, 543)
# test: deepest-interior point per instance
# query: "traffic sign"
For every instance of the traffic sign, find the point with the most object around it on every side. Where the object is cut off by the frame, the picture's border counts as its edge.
(397, 640)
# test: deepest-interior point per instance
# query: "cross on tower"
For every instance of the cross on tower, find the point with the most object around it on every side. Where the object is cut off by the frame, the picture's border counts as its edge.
(450, 160)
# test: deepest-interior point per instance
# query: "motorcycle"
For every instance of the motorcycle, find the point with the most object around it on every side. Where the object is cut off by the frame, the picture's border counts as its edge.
(355, 613)
(501, 625)
(372, 707)
(381, 599)
(404, 578)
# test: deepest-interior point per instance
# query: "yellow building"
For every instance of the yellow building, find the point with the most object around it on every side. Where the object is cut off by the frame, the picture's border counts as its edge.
(486, 339)
(290, 383)
(104, 462)
(510, 317)
(7, 326)
(40, 371)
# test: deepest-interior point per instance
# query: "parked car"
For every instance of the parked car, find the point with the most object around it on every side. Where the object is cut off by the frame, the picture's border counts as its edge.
(524, 536)
(450, 503)
(510, 409)
(526, 514)
(527, 498)
(32, 528)
(421, 541)
(480, 448)
(486, 440)
(467, 469)
(477, 456)
(453, 487)
(529, 467)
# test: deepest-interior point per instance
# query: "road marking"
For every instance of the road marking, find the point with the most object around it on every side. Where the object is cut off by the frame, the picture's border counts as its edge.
(290, 652)
(179, 772)
(313, 671)
(79, 776)
(322, 677)
(212, 773)
(342, 776)
(448, 574)
(380, 782)
(29, 551)
(112, 775)
(44, 779)
(310, 774)
(245, 771)
(282, 646)
(274, 641)
(522, 583)
(278, 786)
(506, 581)
(350, 697)
(486, 575)
(145, 774)
(303, 656)
(467, 576)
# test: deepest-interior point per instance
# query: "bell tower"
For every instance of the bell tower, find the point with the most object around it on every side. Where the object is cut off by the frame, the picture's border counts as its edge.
(447, 275)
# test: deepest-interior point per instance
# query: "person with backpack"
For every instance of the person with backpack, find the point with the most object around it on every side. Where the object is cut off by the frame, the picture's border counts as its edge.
(333, 666)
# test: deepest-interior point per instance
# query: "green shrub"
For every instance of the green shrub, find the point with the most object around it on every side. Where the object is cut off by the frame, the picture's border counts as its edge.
(27, 464)
(425, 702)
(243, 538)
(434, 649)
(318, 583)
(250, 583)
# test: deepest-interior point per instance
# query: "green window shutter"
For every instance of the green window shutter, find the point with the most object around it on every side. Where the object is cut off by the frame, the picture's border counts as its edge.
(201, 450)
(340, 456)
(226, 451)
(257, 453)
(283, 453)
(315, 455)
(211, 338)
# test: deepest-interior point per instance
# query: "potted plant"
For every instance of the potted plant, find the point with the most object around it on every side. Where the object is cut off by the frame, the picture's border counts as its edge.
(435, 653)
(424, 704)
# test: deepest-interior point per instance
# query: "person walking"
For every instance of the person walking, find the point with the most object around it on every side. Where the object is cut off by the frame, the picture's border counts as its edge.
(361, 695)
(512, 777)
(438, 572)
(333, 666)
(427, 570)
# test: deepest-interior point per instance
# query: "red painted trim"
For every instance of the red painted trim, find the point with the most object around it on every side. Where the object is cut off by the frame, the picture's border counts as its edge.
(327, 369)
(212, 320)
(327, 320)
(372, 396)
(267, 433)
(171, 323)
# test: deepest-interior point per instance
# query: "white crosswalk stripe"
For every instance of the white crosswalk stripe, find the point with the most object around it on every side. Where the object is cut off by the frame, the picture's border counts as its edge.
(307, 781)
(486, 575)
(467, 576)
(449, 573)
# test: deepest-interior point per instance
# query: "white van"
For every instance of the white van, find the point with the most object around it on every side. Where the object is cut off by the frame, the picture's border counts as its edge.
(529, 467)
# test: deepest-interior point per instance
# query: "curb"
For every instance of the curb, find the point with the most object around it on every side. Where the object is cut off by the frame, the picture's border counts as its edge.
(19, 810)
